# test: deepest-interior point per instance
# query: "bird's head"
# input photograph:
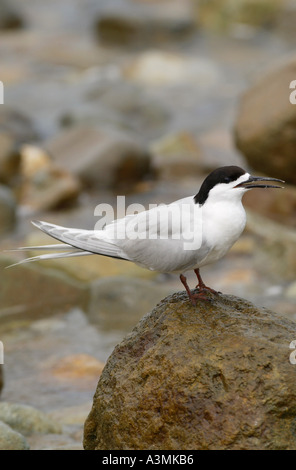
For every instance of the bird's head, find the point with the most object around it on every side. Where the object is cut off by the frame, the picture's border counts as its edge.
(230, 183)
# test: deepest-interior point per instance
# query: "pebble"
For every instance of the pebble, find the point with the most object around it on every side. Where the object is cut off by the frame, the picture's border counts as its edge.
(27, 420)
(45, 185)
(11, 440)
(159, 68)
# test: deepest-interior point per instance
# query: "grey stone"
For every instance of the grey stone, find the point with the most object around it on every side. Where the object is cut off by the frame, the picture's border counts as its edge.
(11, 440)
(27, 420)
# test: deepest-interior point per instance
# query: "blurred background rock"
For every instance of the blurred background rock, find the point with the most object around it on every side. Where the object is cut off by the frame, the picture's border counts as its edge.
(140, 98)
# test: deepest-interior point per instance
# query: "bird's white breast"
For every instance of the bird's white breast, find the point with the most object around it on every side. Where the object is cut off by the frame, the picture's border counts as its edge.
(222, 225)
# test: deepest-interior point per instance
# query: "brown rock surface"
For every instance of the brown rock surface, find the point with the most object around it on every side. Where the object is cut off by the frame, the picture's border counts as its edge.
(265, 126)
(215, 376)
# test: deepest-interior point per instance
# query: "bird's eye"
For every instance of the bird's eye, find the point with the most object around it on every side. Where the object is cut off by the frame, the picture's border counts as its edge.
(226, 179)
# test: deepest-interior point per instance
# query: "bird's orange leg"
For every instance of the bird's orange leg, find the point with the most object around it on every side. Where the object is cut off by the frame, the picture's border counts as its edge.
(192, 297)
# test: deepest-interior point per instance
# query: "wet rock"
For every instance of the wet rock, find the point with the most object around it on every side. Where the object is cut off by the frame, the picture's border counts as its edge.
(11, 440)
(119, 302)
(44, 184)
(265, 125)
(7, 209)
(214, 376)
(141, 23)
(100, 158)
(27, 420)
(275, 248)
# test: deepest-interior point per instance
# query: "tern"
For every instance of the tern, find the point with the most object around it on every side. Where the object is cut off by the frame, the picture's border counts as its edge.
(172, 238)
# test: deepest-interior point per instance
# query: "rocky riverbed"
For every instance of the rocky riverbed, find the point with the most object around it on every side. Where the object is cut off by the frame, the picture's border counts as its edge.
(139, 99)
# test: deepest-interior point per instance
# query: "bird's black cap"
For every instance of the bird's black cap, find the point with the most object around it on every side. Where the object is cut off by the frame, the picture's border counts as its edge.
(225, 174)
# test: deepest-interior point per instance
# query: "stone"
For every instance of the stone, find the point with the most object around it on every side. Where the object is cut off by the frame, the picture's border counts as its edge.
(211, 377)
(27, 420)
(264, 130)
(137, 23)
(159, 68)
(222, 15)
(11, 440)
(8, 209)
(45, 185)
(99, 157)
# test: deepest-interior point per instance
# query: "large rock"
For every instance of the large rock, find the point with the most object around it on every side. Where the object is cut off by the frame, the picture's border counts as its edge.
(265, 124)
(214, 376)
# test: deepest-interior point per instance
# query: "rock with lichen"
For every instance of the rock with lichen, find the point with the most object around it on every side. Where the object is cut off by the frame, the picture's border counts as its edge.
(214, 376)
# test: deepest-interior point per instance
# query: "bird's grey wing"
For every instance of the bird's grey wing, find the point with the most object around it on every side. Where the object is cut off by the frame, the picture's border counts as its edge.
(156, 239)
